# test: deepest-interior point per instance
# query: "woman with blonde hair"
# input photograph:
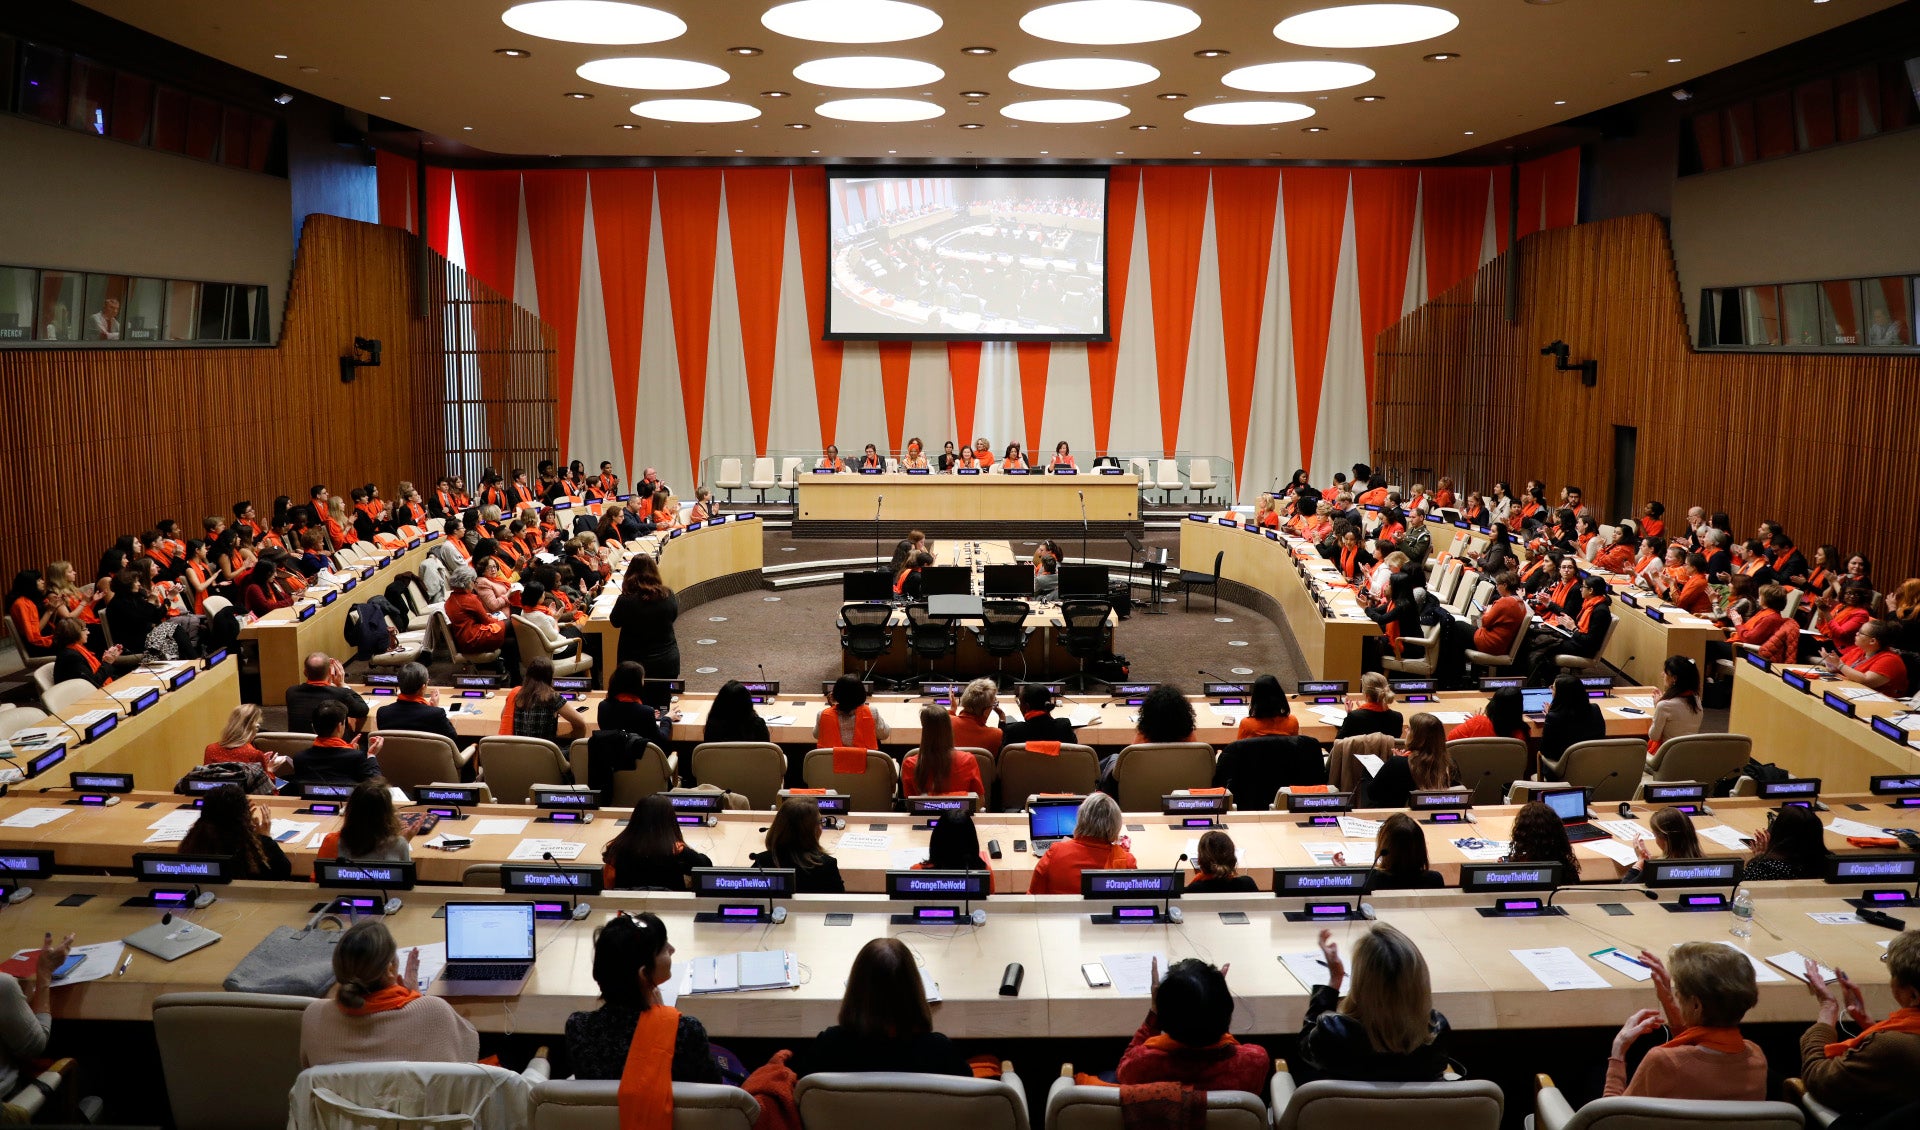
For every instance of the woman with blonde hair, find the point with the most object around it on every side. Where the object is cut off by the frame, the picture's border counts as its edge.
(235, 744)
(1372, 712)
(1705, 990)
(937, 770)
(376, 1012)
(970, 729)
(1385, 1029)
(1095, 844)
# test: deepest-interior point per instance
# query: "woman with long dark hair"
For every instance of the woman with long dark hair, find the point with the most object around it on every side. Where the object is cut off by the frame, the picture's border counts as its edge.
(793, 840)
(231, 825)
(1539, 836)
(649, 854)
(732, 718)
(885, 1022)
(535, 709)
(645, 614)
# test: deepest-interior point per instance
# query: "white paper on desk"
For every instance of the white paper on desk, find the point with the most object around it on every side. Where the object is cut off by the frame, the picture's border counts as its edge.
(166, 836)
(696, 718)
(1083, 716)
(1231, 714)
(1794, 964)
(1627, 830)
(531, 851)
(498, 826)
(1841, 826)
(1835, 917)
(1612, 849)
(1725, 835)
(1132, 973)
(1310, 969)
(1482, 851)
(286, 831)
(1359, 828)
(180, 818)
(866, 841)
(1619, 962)
(1370, 762)
(905, 859)
(1862, 694)
(1762, 972)
(1452, 717)
(1558, 967)
(776, 719)
(1357, 853)
(433, 958)
(1643, 701)
(1331, 715)
(33, 817)
(102, 958)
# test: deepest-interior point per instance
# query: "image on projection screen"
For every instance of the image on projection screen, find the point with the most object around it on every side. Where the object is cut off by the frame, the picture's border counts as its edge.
(967, 256)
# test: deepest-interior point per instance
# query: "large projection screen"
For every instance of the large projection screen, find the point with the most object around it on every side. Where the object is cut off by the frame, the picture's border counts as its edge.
(966, 255)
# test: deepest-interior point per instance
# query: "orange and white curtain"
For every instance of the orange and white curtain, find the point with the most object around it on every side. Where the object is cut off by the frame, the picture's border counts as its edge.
(1244, 303)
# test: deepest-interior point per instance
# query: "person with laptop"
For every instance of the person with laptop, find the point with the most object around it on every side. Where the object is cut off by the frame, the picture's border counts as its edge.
(1571, 718)
(333, 756)
(376, 1012)
(885, 1022)
(1540, 836)
(631, 960)
(1095, 845)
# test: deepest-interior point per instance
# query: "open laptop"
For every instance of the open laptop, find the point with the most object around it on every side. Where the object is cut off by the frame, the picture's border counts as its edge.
(1534, 700)
(1570, 805)
(1050, 821)
(489, 949)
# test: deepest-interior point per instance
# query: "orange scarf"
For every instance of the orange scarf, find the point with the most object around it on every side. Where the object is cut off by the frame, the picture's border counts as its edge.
(1164, 1043)
(1558, 594)
(1728, 1040)
(1586, 610)
(386, 1000)
(646, 1082)
(93, 664)
(1903, 1020)
(1347, 556)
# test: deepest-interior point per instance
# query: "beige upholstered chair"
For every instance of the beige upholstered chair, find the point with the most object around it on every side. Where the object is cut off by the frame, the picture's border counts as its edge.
(1335, 1104)
(63, 694)
(567, 653)
(576, 1104)
(1624, 1112)
(871, 790)
(1493, 659)
(1423, 654)
(836, 1100)
(1024, 773)
(1700, 757)
(203, 1090)
(409, 758)
(463, 659)
(755, 770)
(1583, 663)
(283, 742)
(1076, 1107)
(512, 766)
(652, 774)
(1488, 764)
(1147, 771)
(1611, 767)
(416, 1094)
(481, 875)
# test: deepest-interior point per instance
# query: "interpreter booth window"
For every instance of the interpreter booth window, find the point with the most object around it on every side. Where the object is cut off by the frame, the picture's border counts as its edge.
(16, 304)
(1801, 302)
(146, 309)
(106, 310)
(183, 310)
(1840, 312)
(88, 96)
(1890, 309)
(61, 293)
(1760, 315)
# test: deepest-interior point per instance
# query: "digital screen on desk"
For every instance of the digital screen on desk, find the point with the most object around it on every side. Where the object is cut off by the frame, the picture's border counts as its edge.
(1674, 794)
(523, 880)
(101, 782)
(18, 864)
(937, 806)
(565, 798)
(1425, 801)
(1889, 730)
(829, 804)
(743, 882)
(1757, 660)
(169, 868)
(1896, 783)
(1131, 884)
(1503, 682)
(1794, 788)
(1797, 681)
(696, 801)
(1322, 686)
(1838, 702)
(1873, 868)
(766, 687)
(1319, 802)
(375, 876)
(465, 796)
(968, 885)
(1319, 880)
(1195, 804)
(1723, 872)
(1404, 686)
(1484, 877)
(1130, 690)
(1217, 690)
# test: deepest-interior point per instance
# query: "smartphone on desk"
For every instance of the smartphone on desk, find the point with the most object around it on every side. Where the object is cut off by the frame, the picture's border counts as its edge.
(1096, 975)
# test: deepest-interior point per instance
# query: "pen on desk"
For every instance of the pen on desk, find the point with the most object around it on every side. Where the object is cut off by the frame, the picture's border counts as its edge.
(1627, 957)
(124, 962)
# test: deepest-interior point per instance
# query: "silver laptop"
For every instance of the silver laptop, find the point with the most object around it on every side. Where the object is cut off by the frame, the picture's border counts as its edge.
(173, 939)
(489, 949)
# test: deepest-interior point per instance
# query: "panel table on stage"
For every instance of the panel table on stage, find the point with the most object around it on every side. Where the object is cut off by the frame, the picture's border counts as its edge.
(956, 502)
(1478, 983)
(285, 640)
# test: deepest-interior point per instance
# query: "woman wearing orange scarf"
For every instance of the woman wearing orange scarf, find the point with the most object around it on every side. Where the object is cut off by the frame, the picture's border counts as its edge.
(633, 1036)
(1874, 1072)
(377, 1013)
(1710, 988)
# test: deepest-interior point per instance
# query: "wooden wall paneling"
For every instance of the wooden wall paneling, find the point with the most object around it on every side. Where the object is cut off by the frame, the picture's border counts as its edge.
(95, 443)
(1824, 444)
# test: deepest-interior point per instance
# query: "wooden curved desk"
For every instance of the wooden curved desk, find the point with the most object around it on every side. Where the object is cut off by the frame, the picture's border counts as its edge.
(716, 559)
(283, 640)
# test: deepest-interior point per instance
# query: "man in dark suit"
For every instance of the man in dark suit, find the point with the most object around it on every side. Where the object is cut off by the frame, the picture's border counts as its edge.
(326, 682)
(418, 709)
(1037, 720)
(332, 756)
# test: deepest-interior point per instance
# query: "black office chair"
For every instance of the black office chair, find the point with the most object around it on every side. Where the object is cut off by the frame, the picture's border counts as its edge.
(1005, 632)
(1212, 581)
(929, 637)
(864, 634)
(1087, 635)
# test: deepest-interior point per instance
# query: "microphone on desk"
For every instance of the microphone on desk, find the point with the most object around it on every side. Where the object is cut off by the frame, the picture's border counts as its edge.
(1642, 891)
(580, 909)
(1213, 676)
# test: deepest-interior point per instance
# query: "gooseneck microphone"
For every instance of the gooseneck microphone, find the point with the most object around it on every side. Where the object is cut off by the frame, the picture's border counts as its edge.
(1644, 892)
(580, 909)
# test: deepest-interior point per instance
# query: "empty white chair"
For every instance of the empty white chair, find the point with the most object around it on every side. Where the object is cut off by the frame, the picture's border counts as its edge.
(1462, 597)
(1167, 478)
(1200, 477)
(790, 475)
(730, 479)
(1449, 578)
(763, 479)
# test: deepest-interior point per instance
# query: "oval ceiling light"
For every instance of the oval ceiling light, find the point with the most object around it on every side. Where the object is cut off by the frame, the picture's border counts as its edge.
(1064, 111)
(851, 21)
(1248, 113)
(652, 74)
(1366, 25)
(879, 110)
(593, 21)
(1109, 22)
(1083, 74)
(698, 110)
(1298, 77)
(868, 72)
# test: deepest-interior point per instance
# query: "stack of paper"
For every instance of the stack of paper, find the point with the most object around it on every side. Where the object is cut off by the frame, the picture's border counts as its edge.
(173, 827)
(1761, 971)
(1083, 716)
(740, 972)
(1310, 969)
(1353, 853)
(1451, 717)
(1482, 851)
(1357, 828)
(528, 851)
(1726, 836)
(1627, 830)
(1611, 849)
(498, 826)
(1231, 715)
(1841, 826)
(1132, 972)
(1794, 965)
(865, 841)
(34, 817)
(1558, 967)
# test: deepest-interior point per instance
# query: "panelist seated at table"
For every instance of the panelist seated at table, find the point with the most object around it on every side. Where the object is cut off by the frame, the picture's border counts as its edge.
(1425, 766)
(885, 1023)
(1399, 857)
(793, 841)
(1878, 1070)
(1371, 712)
(915, 456)
(1095, 845)
(1014, 459)
(982, 454)
(872, 460)
(1062, 459)
(907, 581)
(847, 721)
(632, 959)
(375, 1014)
(830, 460)
(949, 459)
(1792, 846)
(1385, 1029)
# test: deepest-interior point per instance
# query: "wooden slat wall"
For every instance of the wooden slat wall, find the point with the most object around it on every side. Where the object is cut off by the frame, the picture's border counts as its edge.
(95, 443)
(1825, 444)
